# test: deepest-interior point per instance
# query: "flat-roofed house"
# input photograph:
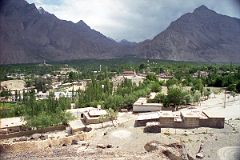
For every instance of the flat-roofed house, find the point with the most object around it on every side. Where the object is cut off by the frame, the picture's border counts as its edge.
(40, 95)
(144, 118)
(141, 105)
(93, 116)
(164, 76)
(78, 112)
(182, 119)
(190, 119)
(166, 118)
(214, 120)
(129, 73)
(76, 125)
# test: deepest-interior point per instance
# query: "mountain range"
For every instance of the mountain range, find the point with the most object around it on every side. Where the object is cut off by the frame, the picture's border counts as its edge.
(31, 35)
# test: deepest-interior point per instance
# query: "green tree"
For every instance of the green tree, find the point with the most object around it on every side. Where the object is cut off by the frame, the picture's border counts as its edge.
(111, 115)
(156, 87)
(172, 81)
(5, 93)
(188, 98)
(159, 98)
(73, 76)
(198, 85)
(176, 95)
(142, 66)
(196, 96)
(41, 84)
(102, 119)
(151, 77)
(207, 92)
(238, 87)
(218, 82)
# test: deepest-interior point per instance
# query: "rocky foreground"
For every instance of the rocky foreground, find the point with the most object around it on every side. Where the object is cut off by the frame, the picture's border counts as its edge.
(83, 150)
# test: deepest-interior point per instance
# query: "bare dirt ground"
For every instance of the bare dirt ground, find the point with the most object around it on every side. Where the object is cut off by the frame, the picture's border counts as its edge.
(230, 109)
(13, 84)
(212, 139)
(128, 143)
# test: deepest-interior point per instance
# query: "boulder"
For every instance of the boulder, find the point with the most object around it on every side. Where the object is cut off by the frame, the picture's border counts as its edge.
(151, 146)
(87, 129)
(22, 139)
(74, 142)
(109, 146)
(124, 110)
(43, 137)
(172, 154)
(84, 143)
(101, 146)
(36, 136)
(200, 155)
(152, 127)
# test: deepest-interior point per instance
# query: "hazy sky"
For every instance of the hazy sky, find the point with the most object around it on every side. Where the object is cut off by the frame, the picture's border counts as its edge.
(134, 20)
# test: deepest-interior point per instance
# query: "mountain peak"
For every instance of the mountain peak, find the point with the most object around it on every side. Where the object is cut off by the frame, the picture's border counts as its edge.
(202, 9)
(83, 24)
(42, 11)
(198, 36)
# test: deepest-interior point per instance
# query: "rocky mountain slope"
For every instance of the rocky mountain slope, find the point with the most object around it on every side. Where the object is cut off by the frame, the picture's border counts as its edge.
(28, 35)
(31, 35)
(202, 35)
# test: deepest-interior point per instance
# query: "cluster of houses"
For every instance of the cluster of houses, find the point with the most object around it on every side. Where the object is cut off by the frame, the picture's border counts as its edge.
(202, 74)
(189, 118)
(181, 119)
(131, 75)
(58, 88)
(164, 76)
(84, 116)
(16, 76)
(165, 119)
(89, 115)
(67, 90)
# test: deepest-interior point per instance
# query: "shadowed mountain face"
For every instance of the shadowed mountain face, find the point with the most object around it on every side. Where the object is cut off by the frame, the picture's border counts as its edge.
(30, 35)
(202, 35)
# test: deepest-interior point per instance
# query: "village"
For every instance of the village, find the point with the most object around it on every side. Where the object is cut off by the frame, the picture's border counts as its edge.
(145, 125)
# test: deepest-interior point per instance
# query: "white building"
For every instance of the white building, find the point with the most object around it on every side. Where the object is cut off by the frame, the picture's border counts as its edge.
(141, 105)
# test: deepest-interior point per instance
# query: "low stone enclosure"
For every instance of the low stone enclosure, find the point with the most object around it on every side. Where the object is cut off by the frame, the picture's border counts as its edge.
(37, 145)
(30, 132)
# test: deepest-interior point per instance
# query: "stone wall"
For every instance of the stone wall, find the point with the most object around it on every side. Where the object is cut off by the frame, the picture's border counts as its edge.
(190, 122)
(139, 123)
(146, 107)
(30, 132)
(212, 122)
(36, 146)
(167, 122)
